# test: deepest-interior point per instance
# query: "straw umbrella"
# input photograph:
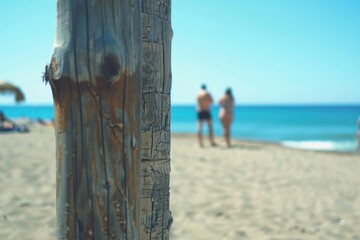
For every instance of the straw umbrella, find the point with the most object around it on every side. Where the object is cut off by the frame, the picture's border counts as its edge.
(6, 88)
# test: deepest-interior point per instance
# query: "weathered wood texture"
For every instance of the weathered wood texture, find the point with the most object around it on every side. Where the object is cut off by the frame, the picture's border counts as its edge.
(156, 217)
(95, 75)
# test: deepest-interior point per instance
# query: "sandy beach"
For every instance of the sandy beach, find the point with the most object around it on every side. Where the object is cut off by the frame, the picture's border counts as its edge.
(250, 191)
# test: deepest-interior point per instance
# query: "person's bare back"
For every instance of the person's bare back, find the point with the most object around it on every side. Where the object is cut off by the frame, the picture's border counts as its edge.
(204, 100)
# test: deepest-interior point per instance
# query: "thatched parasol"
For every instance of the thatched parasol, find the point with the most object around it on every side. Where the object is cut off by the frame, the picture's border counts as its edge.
(6, 87)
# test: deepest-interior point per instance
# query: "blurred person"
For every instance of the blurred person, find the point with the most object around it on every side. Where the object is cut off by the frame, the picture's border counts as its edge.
(204, 101)
(226, 114)
(7, 125)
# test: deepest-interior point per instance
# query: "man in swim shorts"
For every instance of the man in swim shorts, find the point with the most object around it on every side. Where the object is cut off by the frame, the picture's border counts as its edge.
(204, 101)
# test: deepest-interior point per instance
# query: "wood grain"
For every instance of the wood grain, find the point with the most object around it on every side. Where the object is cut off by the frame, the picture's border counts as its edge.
(95, 75)
(156, 217)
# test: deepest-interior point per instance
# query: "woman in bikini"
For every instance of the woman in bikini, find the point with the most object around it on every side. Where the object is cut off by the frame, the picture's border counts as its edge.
(226, 114)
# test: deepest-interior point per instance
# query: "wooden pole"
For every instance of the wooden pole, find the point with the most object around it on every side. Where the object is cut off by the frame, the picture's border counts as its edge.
(95, 76)
(156, 217)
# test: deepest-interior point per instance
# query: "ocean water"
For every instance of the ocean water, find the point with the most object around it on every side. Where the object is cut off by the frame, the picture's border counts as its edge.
(311, 127)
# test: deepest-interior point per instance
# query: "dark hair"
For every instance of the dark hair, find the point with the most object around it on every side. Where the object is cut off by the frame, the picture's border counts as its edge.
(203, 86)
(229, 93)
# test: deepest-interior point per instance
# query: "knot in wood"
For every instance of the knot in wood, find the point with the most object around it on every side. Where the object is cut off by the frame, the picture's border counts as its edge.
(110, 66)
(105, 184)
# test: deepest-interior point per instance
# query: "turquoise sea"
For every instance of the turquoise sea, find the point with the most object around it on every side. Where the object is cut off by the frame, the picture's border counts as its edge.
(325, 127)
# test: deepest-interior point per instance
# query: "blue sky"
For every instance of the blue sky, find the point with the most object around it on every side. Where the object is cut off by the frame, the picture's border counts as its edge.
(268, 51)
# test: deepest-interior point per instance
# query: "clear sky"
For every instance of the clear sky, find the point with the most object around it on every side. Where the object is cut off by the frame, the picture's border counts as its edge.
(268, 51)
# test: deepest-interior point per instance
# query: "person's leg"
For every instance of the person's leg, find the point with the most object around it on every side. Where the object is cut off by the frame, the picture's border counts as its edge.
(223, 127)
(227, 135)
(199, 133)
(226, 130)
(224, 134)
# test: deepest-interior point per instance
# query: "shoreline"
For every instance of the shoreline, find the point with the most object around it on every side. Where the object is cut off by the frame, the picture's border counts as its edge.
(311, 126)
(32, 122)
(270, 143)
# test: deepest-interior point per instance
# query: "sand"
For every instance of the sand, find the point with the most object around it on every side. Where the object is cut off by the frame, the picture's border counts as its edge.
(250, 191)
